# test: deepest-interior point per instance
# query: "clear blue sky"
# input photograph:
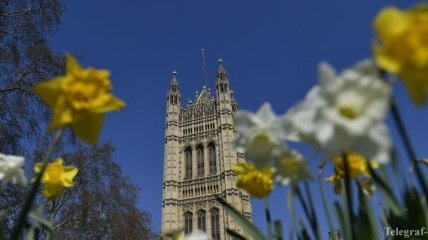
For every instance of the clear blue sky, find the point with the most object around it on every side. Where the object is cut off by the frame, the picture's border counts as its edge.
(270, 48)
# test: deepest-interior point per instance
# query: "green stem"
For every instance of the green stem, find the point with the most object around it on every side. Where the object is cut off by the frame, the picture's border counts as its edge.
(17, 231)
(53, 212)
(312, 208)
(308, 213)
(292, 210)
(268, 218)
(409, 147)
(348, 191)
(324, 200)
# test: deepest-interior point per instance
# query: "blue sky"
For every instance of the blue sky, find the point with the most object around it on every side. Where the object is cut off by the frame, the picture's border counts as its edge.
(270, 49)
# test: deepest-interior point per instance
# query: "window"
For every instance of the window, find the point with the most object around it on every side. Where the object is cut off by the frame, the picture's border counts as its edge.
(202, 221)
(188, 158)
(188, 227)
(212, 159)
(200, 160)
(215, 224)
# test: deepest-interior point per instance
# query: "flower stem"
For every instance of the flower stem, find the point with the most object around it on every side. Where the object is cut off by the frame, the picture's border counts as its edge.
(408, 145)
(313, 212)
(17, 231)
(309, 214)
(292, 210)
(348, 191)
(268, 219)
(324, 198)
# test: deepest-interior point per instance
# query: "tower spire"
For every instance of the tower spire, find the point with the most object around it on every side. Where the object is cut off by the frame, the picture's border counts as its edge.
(203, 68)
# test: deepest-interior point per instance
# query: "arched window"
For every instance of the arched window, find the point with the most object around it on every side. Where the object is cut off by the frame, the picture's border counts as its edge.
(201, 221)
(200, 160)
(188, 158)
(215, 224)
(188, 226)
(222, 76)
(212, 159)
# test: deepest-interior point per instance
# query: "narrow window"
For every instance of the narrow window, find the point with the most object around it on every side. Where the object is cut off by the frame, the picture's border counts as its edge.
(200, 158)
(188, 223)
(212, 159)
(202, 221)
(215, 224)
(188, 157)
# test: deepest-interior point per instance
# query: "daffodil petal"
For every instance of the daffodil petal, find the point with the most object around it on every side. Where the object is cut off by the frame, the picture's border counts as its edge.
(60, 119)
(385, 61)
(68, 175)
(88, 128)
(52, 191)
(72, 65)
(416, 91)
(113, 104)
(49, 91)
(390, 23)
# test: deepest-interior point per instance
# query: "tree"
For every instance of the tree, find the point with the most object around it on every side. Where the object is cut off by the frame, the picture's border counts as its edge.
(103, 203)
(25, 58)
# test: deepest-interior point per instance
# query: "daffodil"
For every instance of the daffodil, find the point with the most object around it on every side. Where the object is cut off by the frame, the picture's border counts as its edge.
(258, 135)
(258, 183)
(291, 167)
(79, 99)
(195, 235)
(344, 113)
(402, 47)
(56, 177)
(198, 235)
(357, 165)
(11, 169)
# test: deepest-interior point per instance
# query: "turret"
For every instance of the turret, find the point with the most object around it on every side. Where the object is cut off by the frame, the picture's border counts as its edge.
(173, 100)
(174, 97)
(222, 83)
(172, 135)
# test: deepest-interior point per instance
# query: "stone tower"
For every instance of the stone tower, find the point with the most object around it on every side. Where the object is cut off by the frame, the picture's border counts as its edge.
(198, 161)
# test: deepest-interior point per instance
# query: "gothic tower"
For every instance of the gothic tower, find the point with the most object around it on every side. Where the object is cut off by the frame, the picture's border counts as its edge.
(198, 160)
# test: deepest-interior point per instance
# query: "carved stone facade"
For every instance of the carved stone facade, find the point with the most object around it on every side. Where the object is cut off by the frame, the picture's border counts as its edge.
(198, 161)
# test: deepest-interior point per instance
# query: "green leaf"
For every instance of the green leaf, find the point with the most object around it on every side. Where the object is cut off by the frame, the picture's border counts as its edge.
(366, 223)
(248, 226)
(303, 234)
(342, 216)
(235, 235)
(278, 229)
(416, 208)
(31, 235)
(387, 193)
(37, 216)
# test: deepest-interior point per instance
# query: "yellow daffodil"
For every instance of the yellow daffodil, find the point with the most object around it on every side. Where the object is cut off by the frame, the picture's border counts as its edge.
(79, 99)
(258, 183)
(56, 177)
(357, 164)
(402, 48)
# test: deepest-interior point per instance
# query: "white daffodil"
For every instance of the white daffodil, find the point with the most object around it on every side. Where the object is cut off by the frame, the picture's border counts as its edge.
(198, 235)
(344, 113)
(258, 135)
(291, 167)
(11, 169)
